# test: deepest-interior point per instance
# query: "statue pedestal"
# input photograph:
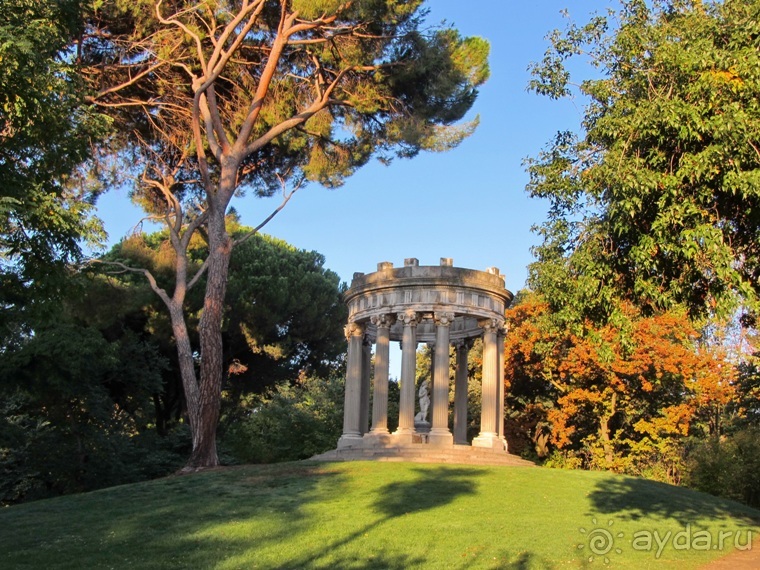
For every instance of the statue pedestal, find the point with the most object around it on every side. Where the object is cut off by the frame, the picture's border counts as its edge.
(421, 431)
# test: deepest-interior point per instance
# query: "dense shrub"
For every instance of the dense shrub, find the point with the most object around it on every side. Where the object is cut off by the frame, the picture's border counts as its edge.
(76, 414)
(288, 423)
(728, 467)
(563, 460)
(40, 458)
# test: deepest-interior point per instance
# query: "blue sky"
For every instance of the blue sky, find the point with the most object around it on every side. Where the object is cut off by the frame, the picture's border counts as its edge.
(468, 204)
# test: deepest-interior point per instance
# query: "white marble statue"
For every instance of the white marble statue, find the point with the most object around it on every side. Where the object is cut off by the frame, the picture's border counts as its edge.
(424, 398)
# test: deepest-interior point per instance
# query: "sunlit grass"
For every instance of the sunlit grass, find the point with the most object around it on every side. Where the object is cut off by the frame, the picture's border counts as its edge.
(368, 515)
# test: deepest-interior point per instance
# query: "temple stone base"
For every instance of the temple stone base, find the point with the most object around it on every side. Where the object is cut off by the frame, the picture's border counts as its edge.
(402, 438)
(376, 439)
(443, 438)
(349, 441)
(423, 453)
(489, 441)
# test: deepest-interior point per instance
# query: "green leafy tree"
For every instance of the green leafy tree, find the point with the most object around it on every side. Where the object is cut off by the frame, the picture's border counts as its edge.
(286, 314)
(94, 396)
(46, 132)
(657, 201)
(744, 411)
(727, 467)
(218, 98)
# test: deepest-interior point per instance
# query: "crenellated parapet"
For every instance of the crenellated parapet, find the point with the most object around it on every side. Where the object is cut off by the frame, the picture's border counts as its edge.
(471, 296)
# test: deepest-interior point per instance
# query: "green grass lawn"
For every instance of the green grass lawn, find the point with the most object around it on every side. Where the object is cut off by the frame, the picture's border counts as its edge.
(376, 515)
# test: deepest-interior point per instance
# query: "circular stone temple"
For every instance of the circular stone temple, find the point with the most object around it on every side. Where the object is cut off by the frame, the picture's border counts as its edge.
(439, 305)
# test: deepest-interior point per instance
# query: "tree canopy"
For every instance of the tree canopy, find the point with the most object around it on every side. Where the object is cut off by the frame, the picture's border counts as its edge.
(656, 201)
(284, 313)
(284, 89)
(651, 237)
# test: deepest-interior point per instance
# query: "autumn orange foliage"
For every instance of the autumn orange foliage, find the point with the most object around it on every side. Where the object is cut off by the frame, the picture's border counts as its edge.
(618, 392)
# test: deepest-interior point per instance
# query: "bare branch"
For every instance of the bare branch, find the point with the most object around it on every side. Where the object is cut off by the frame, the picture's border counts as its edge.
(286, 198)
(219, 57)
(124, 268)
(298, 119)
(198, 275)
(192, 226)
(215, 133)
(129, 82)
(757, 152)
(278, 45)
(173, 21)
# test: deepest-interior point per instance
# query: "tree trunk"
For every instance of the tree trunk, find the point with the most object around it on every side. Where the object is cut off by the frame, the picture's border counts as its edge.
(210, 330)
(604, 431)
(186, 367)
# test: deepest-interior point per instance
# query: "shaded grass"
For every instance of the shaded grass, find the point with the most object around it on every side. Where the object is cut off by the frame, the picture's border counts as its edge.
(367, 515)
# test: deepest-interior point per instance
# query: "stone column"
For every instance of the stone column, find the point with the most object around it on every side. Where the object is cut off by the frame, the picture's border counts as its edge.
(352, 404)
(460, 393)
(489, 432)
(405, 429)
(366, 366)
(440, 435)
(502, 394)
(379, 432)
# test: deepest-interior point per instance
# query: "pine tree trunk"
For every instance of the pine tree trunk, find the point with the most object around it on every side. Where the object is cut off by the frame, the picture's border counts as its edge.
(204, 452)
(186, 367)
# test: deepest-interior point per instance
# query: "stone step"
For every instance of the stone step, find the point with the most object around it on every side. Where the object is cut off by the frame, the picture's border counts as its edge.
(419, 454)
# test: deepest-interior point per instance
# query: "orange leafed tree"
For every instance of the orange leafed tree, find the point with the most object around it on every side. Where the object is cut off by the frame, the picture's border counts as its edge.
(615, 392)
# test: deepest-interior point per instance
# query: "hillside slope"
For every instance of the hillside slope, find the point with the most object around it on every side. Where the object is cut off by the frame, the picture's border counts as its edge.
(378, 515)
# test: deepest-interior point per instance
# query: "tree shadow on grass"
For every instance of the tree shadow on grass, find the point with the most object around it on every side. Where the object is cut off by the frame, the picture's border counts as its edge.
(523, 561)
(629, 498)
(431, 489)
(354, 562)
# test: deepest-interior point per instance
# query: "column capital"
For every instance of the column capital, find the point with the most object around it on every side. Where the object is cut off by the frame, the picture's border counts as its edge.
(409, 318)
(383, 320)
(463, 343)
(443, 319)
(353, 330)
(491, 325)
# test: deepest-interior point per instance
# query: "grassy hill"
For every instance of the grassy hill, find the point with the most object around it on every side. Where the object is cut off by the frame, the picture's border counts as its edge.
(377, 515)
